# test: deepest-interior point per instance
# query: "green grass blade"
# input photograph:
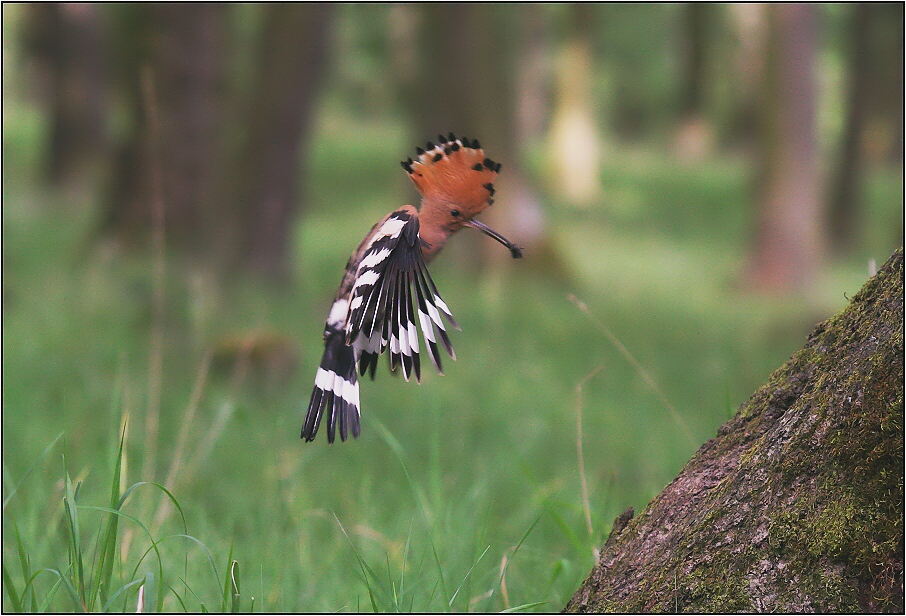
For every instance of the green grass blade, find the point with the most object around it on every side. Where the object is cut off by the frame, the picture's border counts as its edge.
(123, 589)
(397, 450)
(11, 590)
(30, 470)
(206, 551)
(420, 500)
(225, 598)
(362, 565)
(468, 573)
(169, 494)
(75, 541)
(515, 550)
(104, 573)
(25, 564)
(523, 607)
(73, 593)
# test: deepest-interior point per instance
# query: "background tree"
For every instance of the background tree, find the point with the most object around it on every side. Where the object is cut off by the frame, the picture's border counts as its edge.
(874, 76)
(464, 80)
(575, 140)
(789, 237)
(278, 121)
(238, 94)
(232, 169)
(183, 48)
(70, 42)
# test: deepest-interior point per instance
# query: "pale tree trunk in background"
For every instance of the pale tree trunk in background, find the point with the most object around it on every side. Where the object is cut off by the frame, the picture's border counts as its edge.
(269, 171)
(575, 137)
(748, 70)
(788, 241)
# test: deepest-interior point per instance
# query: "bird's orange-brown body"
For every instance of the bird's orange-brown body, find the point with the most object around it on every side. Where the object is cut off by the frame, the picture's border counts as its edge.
(386, 284)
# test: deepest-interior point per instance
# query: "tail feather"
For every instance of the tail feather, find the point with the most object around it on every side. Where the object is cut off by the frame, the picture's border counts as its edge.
(336, 392)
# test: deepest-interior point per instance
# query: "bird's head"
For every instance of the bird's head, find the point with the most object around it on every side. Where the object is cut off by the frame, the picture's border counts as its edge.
(456, 182)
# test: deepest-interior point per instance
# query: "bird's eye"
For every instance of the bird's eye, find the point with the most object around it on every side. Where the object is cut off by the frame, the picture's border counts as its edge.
(454, 213)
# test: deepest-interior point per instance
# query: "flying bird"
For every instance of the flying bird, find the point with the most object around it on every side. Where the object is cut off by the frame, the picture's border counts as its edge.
(387, 293)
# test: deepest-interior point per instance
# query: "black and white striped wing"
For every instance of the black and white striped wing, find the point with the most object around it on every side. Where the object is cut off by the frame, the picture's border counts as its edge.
(392, 297)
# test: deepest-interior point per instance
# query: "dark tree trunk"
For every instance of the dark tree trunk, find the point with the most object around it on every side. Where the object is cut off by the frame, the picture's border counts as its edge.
(189, 71)
(695, 16)
(183, 46)
(789, 237)
(445, 91)
(278, 122)
(69, 42)
(231, 191)
(694, 138)
(845, 191)
(797, 504)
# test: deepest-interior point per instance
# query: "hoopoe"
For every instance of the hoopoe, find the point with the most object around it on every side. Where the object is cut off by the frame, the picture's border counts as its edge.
(373, 308)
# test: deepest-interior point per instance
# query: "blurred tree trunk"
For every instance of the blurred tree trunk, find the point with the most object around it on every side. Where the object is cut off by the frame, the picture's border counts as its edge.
(444, 93)
(747, 72)
(228, 207)
(695, 16)
(188, 51)
(845, 194)
(886, 49)
(788, 241)
(68, 41)
(520, 214)
(797, 504)
(271, 186)
(183, 44)
(694, 138)
(575, 137)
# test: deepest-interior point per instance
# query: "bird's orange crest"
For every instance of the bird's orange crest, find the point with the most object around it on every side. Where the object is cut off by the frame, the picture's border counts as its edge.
(455, 170)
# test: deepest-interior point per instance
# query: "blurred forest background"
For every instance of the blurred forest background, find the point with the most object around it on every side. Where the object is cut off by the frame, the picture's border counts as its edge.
(182, 185)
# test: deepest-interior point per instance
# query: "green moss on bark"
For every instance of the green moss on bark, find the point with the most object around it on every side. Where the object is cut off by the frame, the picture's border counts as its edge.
(797, 504)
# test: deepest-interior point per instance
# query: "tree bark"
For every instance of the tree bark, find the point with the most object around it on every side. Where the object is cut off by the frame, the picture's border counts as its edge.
(797, 504)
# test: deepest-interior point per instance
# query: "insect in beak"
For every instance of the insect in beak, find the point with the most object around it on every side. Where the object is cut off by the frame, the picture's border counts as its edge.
(513, 248)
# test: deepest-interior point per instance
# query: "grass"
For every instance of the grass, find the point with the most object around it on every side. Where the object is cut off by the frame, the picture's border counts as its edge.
(463, 493)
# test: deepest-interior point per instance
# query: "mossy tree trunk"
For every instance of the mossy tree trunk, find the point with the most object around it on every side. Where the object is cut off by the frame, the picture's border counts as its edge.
(797, 504)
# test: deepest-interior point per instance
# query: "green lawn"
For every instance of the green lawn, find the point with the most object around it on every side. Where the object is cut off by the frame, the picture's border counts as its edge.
(463, 492)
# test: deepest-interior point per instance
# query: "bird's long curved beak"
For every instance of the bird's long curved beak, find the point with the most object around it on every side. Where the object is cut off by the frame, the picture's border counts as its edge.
(513, 248)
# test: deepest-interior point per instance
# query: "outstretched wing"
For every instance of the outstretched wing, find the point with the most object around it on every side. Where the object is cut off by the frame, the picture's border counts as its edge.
(383, 306)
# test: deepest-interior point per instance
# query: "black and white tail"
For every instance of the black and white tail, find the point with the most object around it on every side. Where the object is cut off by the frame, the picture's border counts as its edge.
(336, 391)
